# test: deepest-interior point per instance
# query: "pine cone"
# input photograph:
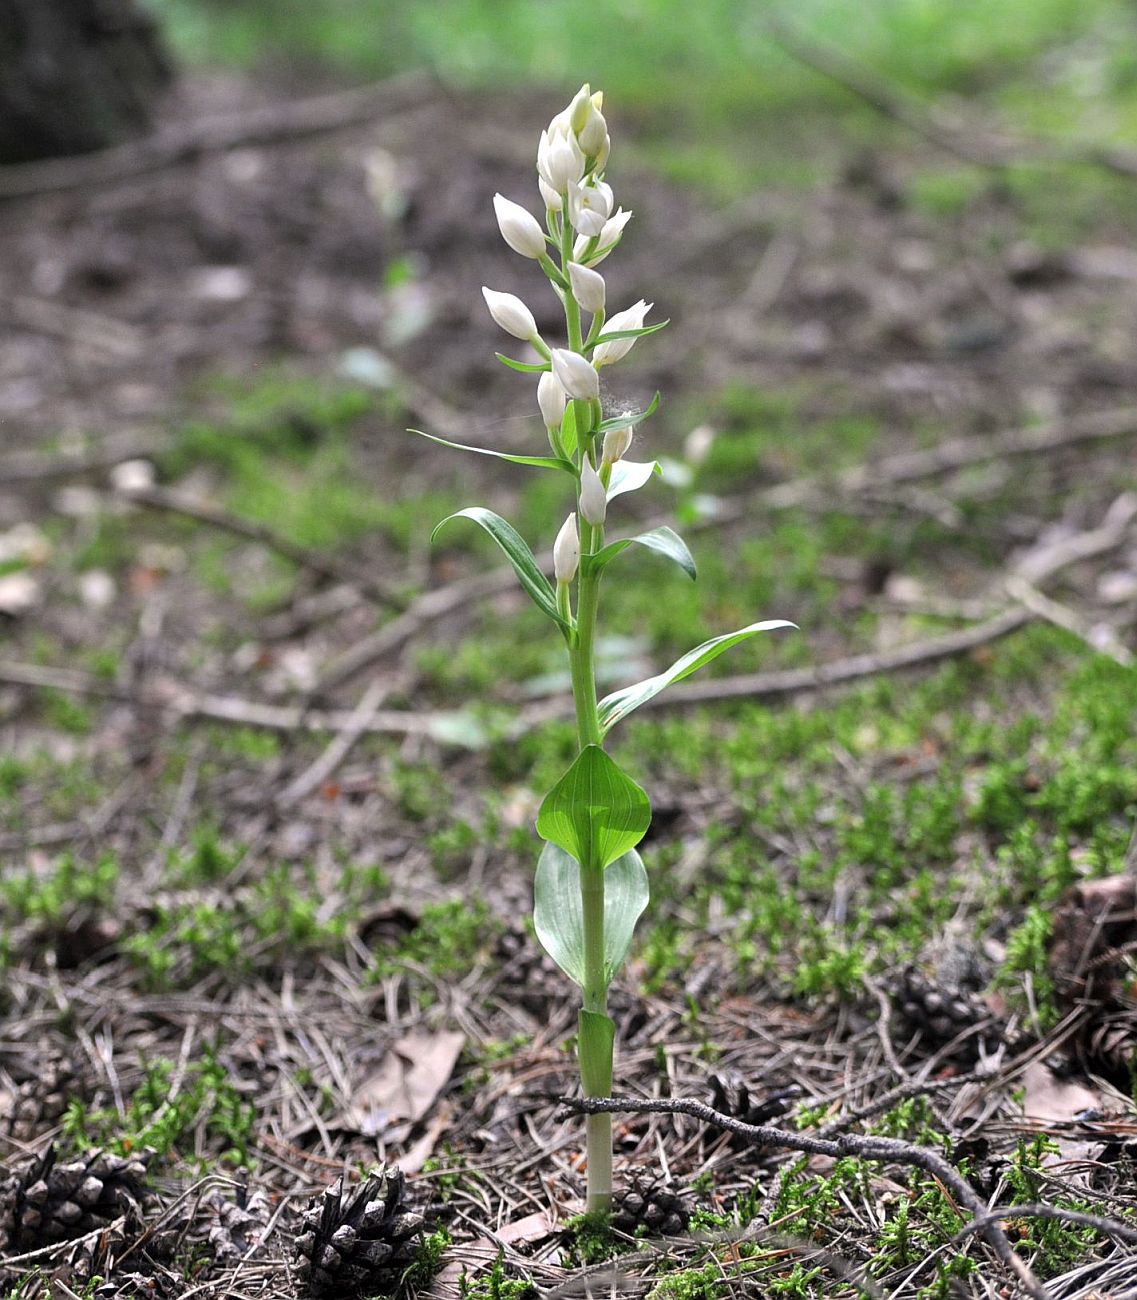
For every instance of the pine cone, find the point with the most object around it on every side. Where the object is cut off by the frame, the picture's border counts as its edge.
(939, 1011)
(48, 1202)
(648, 1209)
(358, 1242)
(39, 1103)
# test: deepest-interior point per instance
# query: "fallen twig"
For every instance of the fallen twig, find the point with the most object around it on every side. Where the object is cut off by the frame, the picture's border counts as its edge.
(1040, 1210)
(322, 768)
(968, 147)
(158, 498)
(885, 1150)
(271, 124)
(28, 467)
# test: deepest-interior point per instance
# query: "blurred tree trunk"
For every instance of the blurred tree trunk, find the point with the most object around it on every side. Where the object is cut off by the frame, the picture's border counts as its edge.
(75, 75)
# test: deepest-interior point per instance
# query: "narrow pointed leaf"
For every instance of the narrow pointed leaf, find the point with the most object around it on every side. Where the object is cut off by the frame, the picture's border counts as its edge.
(664, 541)
(537, 586)
(595, 812)
(605, 337)
(633, 417)
(630, 476)
(558, 914)
(541, 462)
(526, 367)
(569, 437)
(620, 703)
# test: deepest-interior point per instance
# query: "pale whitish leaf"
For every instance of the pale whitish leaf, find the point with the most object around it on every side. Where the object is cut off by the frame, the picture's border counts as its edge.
(595, 812)
(630, 475)
(558, 914)
(618, 705)
(541, 462)
(664, 541)
(517, 552)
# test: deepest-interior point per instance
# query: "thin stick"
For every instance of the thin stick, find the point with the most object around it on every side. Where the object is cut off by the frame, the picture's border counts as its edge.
(157, 498)
(272, 124)
(1040, 1210)
(887, 101)
(341, 745)
(886, 1150)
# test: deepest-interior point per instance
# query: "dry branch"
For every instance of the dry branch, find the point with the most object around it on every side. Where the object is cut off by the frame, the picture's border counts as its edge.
(272, 124)
(971, 147)
(157, 498)
(885, 1150)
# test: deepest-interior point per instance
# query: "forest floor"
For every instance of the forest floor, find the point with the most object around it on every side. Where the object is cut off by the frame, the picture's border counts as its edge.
(269, 762)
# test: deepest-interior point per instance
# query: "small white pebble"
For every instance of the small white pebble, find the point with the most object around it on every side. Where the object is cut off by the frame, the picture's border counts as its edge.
(132, 476)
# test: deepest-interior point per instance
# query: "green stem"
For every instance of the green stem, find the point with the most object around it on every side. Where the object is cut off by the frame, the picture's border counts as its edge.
(598, 1130)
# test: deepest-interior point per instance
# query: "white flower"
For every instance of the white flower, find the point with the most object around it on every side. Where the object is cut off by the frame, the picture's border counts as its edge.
(575, 374)
(566, 551)
(549, 196)
(510, 313)
(593, 498)
(586, 209)
(587, 287)
(552, 399)
(581, 108)
(602, 154)
(611, 234)
(520, 229)
(616, 443)
(593, 133)
(632, 318)
(560, 160)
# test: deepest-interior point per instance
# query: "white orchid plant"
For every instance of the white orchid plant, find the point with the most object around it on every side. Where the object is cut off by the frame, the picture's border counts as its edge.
(590, 887)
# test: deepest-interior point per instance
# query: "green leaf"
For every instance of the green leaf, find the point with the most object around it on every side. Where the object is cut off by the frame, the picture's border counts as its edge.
(627, 334)
(541, 462)
(526, 367)
(664, 541)
(595, 812)
(620, 703)
(538, 587)
(569, 437)
(558, 914)
(633, 417)
(630, 476)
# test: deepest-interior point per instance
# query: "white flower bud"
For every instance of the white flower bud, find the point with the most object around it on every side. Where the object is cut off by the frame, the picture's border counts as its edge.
(581, 108)
(560, 161)
(593, 133)
(575, 374)
(549, 196)
(587, 287)
(593, 498)
(602, 154)
(510, 313)
(566, 551)
(520, 229)
(611, 233)
(616, 443)
(586, 210)
(552, 399)
(632, 318)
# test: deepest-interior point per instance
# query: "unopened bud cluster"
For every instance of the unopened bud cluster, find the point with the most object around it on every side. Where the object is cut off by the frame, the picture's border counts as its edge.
(582, 226)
